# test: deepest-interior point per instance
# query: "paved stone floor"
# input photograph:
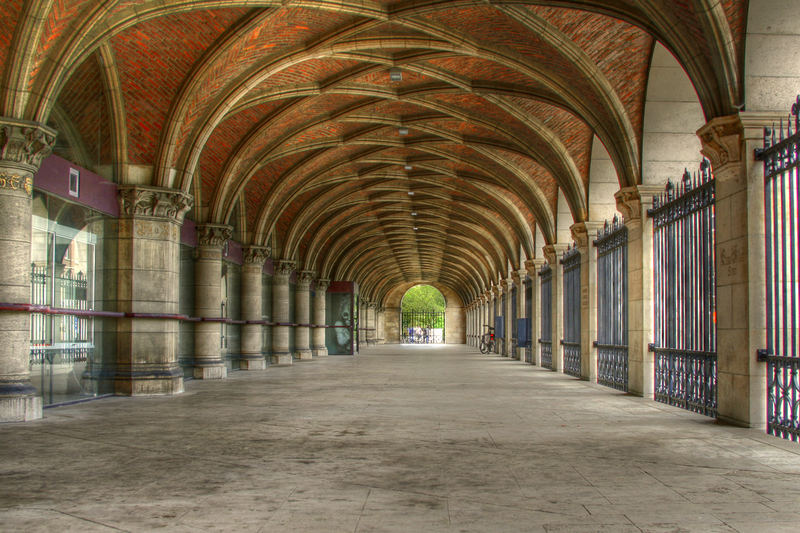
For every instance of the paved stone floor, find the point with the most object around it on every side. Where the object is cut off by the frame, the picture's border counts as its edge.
(396, 439)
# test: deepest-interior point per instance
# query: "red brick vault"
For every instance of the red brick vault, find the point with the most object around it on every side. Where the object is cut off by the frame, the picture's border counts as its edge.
(384, 142)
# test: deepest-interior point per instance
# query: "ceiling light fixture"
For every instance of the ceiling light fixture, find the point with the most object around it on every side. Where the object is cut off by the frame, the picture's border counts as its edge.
(411, 193)
(395, 74)
(413, 213)
(402, 131)
(408, 167)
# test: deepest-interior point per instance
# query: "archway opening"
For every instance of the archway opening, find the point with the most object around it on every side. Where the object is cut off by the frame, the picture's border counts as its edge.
(422, 315)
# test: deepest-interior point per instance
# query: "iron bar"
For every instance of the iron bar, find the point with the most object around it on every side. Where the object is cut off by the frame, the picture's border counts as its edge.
(546, 342)
(571, 260)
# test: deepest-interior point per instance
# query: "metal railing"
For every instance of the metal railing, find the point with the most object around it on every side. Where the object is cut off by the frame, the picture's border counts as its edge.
(571, 260)
(546, 341)
(684, 290)
(612, 305)
(423, 327)
(781, 156)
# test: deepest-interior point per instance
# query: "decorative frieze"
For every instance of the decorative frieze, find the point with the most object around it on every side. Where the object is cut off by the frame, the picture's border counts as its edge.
(15, 182)
(137, 201)
(25, 144)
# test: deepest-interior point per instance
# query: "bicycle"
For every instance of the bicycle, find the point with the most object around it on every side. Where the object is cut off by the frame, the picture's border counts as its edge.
(487, 342)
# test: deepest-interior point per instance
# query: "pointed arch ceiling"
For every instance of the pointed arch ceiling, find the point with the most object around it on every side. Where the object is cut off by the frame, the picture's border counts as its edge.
(285, 113)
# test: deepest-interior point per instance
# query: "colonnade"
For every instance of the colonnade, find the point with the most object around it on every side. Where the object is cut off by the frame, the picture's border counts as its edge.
(729, 143)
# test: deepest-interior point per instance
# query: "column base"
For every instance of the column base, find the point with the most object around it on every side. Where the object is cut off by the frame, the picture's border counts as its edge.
(320, 351)
(252, 362)
(19, 403)
(144, 381)
(280, 359)
(210, 372)
(521, 354)
(304, 355)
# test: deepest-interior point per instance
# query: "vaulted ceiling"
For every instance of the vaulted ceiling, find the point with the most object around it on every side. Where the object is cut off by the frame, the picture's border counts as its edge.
(383, 142)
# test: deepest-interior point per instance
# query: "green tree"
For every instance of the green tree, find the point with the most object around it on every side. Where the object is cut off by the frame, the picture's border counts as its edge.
(423, 298)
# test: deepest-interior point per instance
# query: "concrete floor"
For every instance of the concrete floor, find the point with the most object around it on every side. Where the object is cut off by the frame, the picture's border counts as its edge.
(396, 439)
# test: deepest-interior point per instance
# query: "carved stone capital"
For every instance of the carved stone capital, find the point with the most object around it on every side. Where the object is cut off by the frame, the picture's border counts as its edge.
(304, 279)
(213, 234)
(553, 252)
(24, 145)
(139, 201)
(519, 276)
(722, 139)
(585, 232)
(322, 284)
(372, 305)
(533, 266)
(508, 284)
(256, 255)
(629, 203)
(284, 268)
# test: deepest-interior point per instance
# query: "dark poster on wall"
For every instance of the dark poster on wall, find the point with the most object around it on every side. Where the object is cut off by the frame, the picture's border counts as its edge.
(339, 315)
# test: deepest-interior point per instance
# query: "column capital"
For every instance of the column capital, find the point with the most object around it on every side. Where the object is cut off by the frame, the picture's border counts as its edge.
(497, 291)
(284, 268)
(533, 266)
(585, 232)
(256, 255)
(304, 279)
(24, 145)
(519, 276)
(553, 252)
(508, 284)
(213, 234)
(633, 201)
(322, 284)
(721, 140)
(154, 202)
(372, 305)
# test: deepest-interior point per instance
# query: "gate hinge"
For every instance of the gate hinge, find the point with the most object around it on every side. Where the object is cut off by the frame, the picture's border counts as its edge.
(761, 355)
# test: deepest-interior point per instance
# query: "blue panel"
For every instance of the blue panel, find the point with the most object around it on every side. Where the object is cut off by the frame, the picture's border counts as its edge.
(499, 330)
(523, 332)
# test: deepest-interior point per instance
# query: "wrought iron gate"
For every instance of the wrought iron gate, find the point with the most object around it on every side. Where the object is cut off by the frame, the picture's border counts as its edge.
(781, 155)
(572, 312)
(685, 294)
(612, 305)
(423, 327)
(529, 314)
(546, 341)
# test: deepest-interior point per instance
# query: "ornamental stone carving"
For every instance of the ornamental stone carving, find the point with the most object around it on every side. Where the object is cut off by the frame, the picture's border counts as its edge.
(533, 266)
(15, 182)
(322, 284)
(284, 268)
(213, 234)
(137, 201)
(722, 140)
(25, 144)
(304, 279)
(256, 255)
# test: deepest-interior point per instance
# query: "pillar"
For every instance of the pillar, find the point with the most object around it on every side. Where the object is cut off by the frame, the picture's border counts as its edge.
(147, 278)
(584, 234)
(507, 287)
(492, 314)
(280, 312)
(553, 253)
(302, 312)
(633, 203)
(741, 283)
(252, 357)
(319, 349)
(519, 279)
(24, 146)
(371, 322)
(533, 266)
(380, 325)
(208, 362)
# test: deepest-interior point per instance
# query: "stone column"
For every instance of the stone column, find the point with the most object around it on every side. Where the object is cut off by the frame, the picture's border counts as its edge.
(280, 312)
(371, 322)
(584, 234)
(741, 283)
(252, 334)
(507, 287)
(148, 274)
(319, 349)
(302, 314)
(208, 362)
(519, 280)
(23, 146)
(553, 253)
(492, 315)
(533, 267)
(380, 326)
(633, 203)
